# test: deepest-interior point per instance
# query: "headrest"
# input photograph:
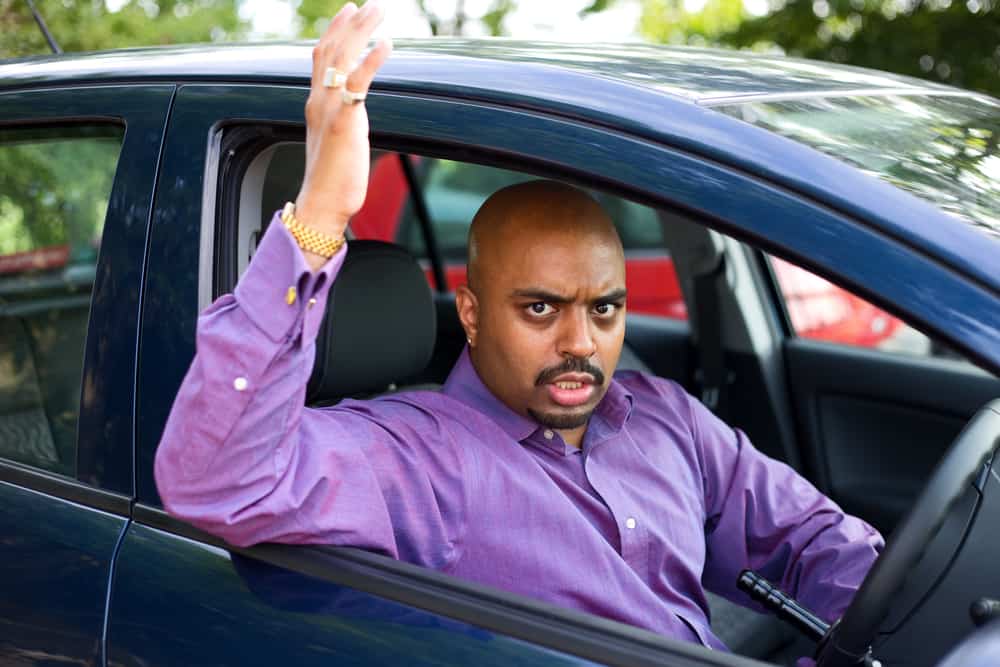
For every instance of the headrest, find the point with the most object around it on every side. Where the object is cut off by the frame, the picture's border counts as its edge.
(380, 324)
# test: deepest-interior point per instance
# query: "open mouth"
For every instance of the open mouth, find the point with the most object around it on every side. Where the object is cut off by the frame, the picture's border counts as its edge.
(568, 385)
(570, 391)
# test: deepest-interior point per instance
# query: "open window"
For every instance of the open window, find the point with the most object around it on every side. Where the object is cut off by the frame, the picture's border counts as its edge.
(422, 201)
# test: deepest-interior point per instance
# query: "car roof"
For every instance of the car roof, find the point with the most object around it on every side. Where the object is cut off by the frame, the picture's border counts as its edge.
(707, 76)
(653, 92)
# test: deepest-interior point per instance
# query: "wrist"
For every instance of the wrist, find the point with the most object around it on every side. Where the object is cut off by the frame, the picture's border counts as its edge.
(313, 242)
(316, 217)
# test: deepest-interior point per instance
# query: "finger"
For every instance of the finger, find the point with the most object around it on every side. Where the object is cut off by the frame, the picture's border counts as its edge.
(338, 22)
(325, 49)
(362, 26)
(361, 78)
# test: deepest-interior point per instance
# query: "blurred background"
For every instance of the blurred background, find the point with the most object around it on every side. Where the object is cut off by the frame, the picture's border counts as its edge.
(951, 41)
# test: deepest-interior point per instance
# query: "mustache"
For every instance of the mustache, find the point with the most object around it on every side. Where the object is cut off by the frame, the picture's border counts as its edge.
(571, 365)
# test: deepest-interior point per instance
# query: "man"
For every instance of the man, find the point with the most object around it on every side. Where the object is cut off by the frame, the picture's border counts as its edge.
(535, 469)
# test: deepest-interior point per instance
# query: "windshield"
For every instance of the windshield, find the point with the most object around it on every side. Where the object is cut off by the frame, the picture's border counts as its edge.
(941, 148)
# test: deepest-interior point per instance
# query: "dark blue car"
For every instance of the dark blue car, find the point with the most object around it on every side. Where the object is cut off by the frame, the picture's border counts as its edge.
(135, 184)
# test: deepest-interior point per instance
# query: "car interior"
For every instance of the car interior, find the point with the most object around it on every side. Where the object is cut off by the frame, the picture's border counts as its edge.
(865, 425)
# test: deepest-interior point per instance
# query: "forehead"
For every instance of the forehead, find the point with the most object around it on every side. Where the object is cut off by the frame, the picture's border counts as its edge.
(560, 261)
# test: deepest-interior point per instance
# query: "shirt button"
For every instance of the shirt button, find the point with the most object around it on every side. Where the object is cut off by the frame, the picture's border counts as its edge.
(548, 434)
(240, 384)
(630, 523)
(312, 302)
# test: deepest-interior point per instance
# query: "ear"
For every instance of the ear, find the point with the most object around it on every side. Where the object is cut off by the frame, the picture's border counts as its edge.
(468, 312)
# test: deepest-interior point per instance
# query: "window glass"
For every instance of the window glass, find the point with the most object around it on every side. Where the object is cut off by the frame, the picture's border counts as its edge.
(820, 310)
(453, 192)
(54, 189)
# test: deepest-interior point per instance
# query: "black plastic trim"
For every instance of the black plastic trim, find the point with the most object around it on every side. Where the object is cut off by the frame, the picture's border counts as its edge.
(241, 143)
(63, 487)
(590, 637)
(136, 389)
(776, 298)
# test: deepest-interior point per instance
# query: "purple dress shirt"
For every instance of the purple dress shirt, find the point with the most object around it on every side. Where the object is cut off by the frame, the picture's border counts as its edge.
(661, 499)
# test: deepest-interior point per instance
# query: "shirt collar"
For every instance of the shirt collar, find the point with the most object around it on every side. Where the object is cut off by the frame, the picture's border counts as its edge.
(465, 385)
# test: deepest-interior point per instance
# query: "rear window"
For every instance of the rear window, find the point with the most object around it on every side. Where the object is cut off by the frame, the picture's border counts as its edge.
(55, 184)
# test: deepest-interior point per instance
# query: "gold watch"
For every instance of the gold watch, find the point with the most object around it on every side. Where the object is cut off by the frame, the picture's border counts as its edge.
(308, 238)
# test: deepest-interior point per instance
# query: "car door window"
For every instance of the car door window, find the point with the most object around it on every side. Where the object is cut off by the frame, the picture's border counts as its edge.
(819, 310)
(54, 189)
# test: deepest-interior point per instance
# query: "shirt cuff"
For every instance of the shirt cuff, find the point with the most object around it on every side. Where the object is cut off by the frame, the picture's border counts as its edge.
(279, 273)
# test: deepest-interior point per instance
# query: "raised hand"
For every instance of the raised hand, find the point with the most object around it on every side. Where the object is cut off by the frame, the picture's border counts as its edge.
(337, 150)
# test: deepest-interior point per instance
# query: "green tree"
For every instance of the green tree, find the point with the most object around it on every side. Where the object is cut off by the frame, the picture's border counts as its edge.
(951, 41)
(315, 15)
(90, 25)
(666, 21)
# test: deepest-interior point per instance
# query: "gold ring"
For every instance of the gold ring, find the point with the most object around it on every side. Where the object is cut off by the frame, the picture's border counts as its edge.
(351, 97)
(334, 78)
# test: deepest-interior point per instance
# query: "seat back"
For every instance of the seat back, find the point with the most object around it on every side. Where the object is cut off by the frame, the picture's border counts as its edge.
(380, 325)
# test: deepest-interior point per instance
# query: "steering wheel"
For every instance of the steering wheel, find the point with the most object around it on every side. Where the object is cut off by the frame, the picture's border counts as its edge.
(848, 641)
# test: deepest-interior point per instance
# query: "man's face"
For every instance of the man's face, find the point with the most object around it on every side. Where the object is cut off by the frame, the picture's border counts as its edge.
(550, 320)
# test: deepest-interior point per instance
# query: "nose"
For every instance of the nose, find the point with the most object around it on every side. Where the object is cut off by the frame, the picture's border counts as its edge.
(576, 336)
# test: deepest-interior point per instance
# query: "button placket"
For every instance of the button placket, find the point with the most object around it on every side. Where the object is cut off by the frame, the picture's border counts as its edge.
(631, 534)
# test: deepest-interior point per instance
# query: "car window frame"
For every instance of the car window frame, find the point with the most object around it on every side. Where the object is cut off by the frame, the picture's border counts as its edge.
(105, 426)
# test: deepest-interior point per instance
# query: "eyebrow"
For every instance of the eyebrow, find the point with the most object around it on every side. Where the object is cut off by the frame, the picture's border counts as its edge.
(552, 297)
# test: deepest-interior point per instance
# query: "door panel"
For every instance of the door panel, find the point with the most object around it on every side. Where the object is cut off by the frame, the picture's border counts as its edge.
(55, 556)
(873, 425)
(177, 601)
(69, 322)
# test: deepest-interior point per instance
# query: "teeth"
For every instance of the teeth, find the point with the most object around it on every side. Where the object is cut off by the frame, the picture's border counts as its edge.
(569, 385)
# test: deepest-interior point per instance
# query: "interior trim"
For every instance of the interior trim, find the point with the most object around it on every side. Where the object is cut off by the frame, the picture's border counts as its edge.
(590, 637)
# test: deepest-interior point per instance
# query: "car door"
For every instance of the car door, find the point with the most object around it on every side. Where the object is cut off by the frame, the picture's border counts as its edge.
(874, 421)
(180, 596)
(77, 166)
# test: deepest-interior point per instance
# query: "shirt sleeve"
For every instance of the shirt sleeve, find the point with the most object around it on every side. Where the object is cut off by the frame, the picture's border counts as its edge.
(242, 458)
(762, 515)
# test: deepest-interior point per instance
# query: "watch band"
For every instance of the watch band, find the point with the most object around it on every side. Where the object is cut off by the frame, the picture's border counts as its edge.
(308, 238)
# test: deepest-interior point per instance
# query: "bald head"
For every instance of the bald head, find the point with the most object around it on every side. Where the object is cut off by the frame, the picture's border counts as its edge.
(544, 310)
(524, 213)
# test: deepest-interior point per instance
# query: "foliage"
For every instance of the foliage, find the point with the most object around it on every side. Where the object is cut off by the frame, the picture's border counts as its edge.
(492, 19)
(951, 41)
(45, 197)
(667, 21)
(315, 15)
(90, 25)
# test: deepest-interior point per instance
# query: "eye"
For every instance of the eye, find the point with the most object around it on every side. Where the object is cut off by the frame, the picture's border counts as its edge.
(540, 309)
(606, 310)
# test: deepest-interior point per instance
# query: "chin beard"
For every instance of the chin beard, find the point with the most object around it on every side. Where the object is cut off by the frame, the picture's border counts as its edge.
(561, 420)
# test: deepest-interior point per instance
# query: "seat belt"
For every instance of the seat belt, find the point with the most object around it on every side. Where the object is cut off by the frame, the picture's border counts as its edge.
(714, 378)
